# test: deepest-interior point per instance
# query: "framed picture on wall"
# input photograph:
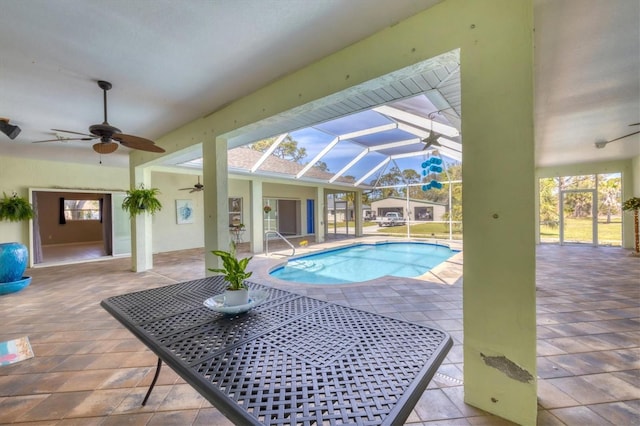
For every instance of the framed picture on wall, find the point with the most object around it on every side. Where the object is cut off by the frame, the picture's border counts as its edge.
(184, 211)
(235, 211)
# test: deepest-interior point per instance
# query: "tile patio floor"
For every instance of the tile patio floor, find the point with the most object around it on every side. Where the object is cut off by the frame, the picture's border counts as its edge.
(89, 370)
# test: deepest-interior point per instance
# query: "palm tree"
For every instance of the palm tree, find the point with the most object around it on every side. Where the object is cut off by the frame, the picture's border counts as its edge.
(634, 204)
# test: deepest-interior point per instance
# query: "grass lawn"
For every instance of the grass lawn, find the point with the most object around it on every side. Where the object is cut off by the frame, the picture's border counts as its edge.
(425, 230)
(579, 230)
(352, 224)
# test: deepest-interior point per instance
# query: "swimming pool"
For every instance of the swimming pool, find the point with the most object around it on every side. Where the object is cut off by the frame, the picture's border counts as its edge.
(364, 262)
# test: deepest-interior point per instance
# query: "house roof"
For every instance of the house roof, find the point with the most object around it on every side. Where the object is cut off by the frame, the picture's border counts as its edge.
(244, 159)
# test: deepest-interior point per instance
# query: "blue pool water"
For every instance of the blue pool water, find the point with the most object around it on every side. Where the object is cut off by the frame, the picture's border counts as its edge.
(364, 262)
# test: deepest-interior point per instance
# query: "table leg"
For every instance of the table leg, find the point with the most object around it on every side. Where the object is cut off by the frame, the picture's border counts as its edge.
(153, 382)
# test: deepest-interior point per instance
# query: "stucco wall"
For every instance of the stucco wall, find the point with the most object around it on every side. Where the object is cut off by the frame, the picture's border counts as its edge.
(20, 174)
(167, 234)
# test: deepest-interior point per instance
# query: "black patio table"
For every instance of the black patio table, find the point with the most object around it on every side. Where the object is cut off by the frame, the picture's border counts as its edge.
(292, 360)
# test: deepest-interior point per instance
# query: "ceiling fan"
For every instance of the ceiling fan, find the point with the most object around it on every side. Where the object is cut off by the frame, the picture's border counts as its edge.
(195, 188)
(602, 144)
(108, 134)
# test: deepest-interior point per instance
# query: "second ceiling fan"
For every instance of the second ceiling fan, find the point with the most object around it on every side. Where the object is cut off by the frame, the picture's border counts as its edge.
(107, 134)
(195, 188)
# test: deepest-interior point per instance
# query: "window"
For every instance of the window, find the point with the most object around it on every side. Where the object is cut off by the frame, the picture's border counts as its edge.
(82, 209)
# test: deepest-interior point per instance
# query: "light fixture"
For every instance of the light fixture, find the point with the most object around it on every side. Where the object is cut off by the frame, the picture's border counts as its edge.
(8, 129)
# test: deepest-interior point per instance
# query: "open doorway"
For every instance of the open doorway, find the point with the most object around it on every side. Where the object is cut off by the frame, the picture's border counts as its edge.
(77, 226)
(283, 216)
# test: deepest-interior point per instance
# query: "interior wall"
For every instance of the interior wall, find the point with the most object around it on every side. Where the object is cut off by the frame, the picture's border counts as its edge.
(168, 235)
(74, 231)
(635, 170)
(19, 174)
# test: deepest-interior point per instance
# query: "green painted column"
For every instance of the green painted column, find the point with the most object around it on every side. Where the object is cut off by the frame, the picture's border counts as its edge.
(257, 216)
(499, 213)
(141, 226)
(215, 180)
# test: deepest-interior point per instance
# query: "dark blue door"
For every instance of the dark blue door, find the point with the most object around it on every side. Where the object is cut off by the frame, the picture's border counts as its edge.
(311, 216)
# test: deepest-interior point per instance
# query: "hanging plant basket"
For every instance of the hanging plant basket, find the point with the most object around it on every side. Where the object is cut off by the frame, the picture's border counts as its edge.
(141, 200)
(266, 209)
(15, 209)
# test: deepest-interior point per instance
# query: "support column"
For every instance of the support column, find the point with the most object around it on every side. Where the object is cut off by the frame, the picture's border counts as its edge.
(141, 227)
(320, 215)
(257, 217)
(499, 297)
(216, 200)
(357, 212)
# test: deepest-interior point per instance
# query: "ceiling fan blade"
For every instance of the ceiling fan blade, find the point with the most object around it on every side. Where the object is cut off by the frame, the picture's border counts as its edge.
(625, 136)
(75, 133)
(185, 189)
(136, 142)
(634, 124)
(105, 147)
(65, 140)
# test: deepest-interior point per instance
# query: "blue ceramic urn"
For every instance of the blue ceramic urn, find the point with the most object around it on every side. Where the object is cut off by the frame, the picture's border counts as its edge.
(13, 261)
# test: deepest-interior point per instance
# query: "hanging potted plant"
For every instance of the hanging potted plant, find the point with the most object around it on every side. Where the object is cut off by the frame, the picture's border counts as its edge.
(142, 200)
(15, 208)
(234, 271)
(266, 209)
(633, 204)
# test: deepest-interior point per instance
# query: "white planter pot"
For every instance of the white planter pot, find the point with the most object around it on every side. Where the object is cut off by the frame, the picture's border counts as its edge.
(236, 297)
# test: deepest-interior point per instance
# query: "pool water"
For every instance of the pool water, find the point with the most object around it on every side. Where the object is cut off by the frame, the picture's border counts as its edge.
(364, 262)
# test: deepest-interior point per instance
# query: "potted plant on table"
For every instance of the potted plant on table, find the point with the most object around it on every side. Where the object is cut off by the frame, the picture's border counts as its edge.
(234, 271)
(633, 204)
(140, 200)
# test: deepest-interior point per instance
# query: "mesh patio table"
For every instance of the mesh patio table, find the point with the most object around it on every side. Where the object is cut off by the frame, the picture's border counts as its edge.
(292, 360)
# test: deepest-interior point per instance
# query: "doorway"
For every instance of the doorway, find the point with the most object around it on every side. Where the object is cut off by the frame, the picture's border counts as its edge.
(283, 216)
(78, 226)
(578, 221)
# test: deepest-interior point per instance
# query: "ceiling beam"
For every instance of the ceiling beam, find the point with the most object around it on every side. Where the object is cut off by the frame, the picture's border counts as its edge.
(317, 158)
(268, 152)
(372, 171)
(417, 120)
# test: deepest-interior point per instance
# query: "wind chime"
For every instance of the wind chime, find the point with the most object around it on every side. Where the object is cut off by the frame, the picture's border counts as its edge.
(432, 167)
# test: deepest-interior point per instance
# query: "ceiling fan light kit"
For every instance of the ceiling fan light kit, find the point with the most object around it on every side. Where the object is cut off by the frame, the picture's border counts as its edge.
(108, 134)
(11, 131)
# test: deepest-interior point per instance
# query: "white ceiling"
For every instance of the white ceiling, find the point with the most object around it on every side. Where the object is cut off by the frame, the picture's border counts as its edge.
(171, 62)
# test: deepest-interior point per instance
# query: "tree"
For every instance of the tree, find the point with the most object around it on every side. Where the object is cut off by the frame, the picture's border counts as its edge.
(609, 194)
(288, 149)
(549, 202)
(410, 176)
(321, 165)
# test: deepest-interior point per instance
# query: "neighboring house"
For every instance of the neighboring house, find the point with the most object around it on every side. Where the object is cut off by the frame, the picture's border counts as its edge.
(420, 210)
